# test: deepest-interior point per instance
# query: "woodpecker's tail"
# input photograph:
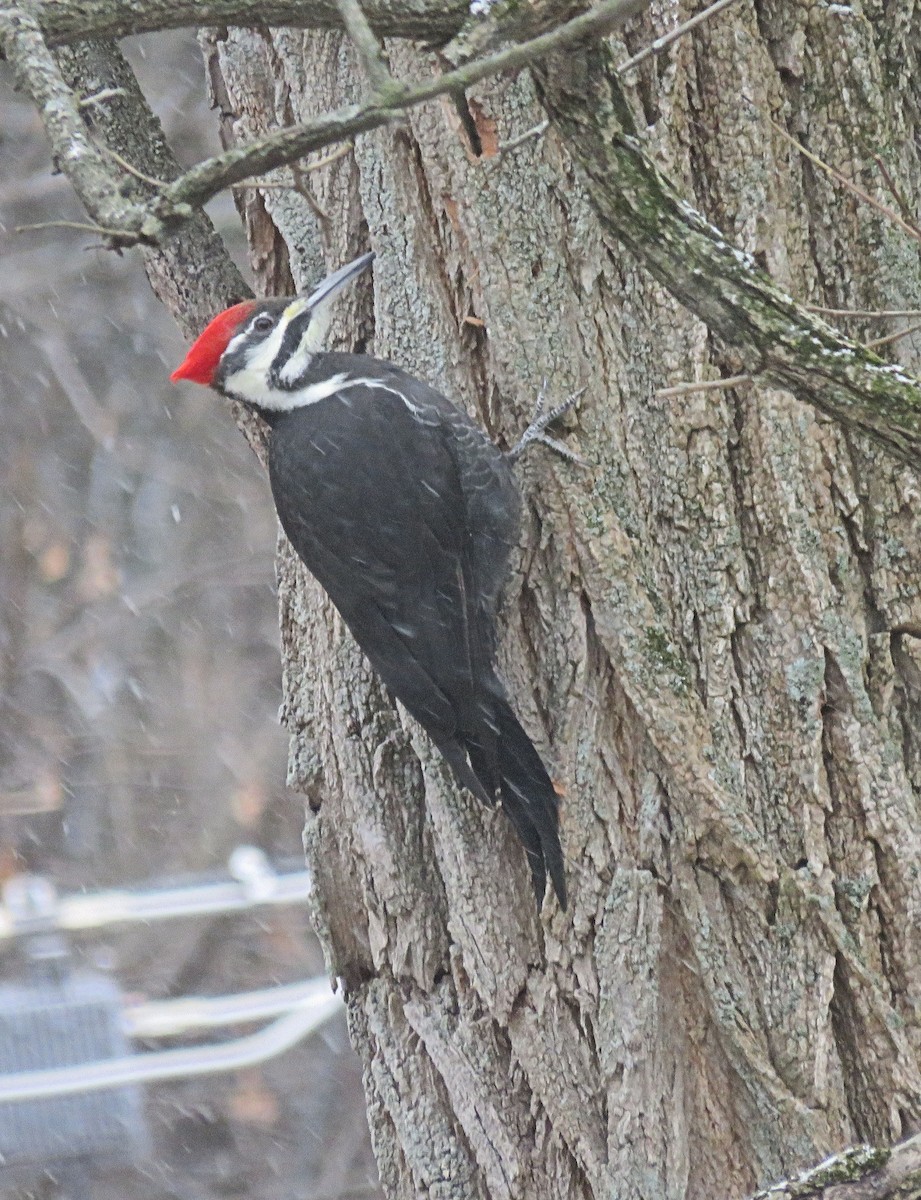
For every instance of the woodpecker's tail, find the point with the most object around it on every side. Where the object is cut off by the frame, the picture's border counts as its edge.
(503, 759)
(530, 799)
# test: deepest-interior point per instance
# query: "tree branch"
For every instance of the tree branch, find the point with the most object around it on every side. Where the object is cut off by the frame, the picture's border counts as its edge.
(278, 149)
(366, 45)
(67, 21)
(902, 221)
(128, 223)
(74, 152)
(778, 338)
(190, 270)
(858, 1173)
(662, 43)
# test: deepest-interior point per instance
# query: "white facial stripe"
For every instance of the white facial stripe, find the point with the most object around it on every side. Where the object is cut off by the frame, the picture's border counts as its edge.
(251, 385)
(250, 381)
(311, 343)
(276, 400)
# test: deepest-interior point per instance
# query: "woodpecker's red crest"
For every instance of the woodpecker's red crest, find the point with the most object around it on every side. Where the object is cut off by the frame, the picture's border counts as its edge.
(205, 352)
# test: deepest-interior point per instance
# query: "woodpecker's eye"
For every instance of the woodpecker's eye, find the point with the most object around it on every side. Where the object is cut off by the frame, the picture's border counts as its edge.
(263, 324)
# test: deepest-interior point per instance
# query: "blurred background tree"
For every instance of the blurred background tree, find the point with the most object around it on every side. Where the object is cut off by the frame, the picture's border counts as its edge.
(141, 680)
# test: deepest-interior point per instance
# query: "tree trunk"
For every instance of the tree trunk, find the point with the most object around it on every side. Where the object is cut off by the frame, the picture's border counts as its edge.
(711, 632)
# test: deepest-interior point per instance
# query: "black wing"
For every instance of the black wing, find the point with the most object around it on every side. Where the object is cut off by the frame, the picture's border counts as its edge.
(405, 513)
(370, 495)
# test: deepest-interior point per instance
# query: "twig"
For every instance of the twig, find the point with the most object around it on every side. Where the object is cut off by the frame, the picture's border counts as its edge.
(666, 40)
(892, 337)
(911, 230)
(512, 144)
(208, 178)
(86, 226)
(706, 385)
(100, 97)
(895, 192)
(302, 187)
(535, 131)
(874, 313)
(306, 168)
(369, 50)
(131, 169)
(339, 152)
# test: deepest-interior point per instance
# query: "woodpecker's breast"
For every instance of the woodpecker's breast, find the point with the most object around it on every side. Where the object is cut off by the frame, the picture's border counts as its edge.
(377, 470)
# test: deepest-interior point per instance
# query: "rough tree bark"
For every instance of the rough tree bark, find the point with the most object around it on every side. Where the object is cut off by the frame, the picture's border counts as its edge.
(712, 632)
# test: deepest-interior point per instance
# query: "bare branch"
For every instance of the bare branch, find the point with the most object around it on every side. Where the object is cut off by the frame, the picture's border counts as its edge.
(274, 150)
(303, 188)
(895, 191)
(85, 226)
(368, 48)
(100, 97)
(777, 337)
(666, 40)
(334, 156)
(535, 131)
(892, 337)
(858, 1173)
(66, 21)
(131, 169)
(704, 385)
(278, 149)
(908, 227)
(73, 149)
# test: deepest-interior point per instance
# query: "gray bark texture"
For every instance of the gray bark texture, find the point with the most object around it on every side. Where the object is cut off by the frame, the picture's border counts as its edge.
(713, 632)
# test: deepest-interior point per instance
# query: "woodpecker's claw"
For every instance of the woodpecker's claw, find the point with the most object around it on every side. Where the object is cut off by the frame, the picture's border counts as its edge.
(561, 448)
(541, 421)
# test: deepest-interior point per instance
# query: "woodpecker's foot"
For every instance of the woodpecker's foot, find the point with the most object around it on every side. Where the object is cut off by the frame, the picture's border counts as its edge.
(540, 422)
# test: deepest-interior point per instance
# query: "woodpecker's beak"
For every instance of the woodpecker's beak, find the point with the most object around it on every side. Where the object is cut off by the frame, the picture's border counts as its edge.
(335, 282)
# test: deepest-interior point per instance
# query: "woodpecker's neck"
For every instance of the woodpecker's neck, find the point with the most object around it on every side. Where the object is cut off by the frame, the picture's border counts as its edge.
(324, 375)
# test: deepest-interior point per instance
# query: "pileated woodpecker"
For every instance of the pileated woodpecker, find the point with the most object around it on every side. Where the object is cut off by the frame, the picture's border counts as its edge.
(406, 513)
